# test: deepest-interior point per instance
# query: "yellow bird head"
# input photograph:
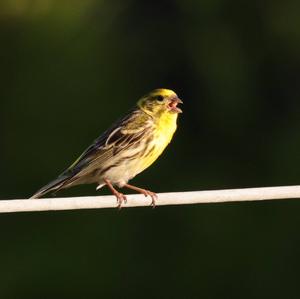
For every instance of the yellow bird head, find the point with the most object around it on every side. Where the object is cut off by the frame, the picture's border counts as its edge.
(160, 102)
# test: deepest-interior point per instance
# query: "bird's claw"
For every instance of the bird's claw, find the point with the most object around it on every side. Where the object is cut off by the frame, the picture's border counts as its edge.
(120, 199)
(152, 195)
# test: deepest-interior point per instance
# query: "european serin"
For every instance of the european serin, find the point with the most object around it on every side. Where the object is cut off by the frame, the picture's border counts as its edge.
(127, 148)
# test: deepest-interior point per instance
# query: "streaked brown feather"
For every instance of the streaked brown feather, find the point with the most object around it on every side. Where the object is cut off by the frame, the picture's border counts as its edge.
(112, 143)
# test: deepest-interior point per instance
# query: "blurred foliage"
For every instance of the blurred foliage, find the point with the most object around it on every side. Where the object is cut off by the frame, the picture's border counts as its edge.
(70, 68)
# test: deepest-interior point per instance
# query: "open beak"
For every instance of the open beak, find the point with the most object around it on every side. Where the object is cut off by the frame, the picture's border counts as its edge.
(173, 105)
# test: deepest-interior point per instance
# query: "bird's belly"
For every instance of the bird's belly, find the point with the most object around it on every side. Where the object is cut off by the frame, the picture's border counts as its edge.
(123, 172)
(124, 167)
(138, 159)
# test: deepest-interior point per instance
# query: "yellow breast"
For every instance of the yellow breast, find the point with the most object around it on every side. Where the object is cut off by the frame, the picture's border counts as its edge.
(165, 128)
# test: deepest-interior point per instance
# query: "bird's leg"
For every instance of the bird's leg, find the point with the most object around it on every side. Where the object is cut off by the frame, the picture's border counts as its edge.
(120, 196)
(145, 192)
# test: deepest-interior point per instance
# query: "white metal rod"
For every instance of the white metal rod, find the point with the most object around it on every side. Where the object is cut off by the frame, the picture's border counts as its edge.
(134, 200)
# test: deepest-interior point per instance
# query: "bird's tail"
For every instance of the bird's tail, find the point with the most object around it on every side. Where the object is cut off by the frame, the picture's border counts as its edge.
(53, 186)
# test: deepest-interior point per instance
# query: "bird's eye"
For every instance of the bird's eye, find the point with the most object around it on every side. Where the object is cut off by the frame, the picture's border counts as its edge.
(159, 98)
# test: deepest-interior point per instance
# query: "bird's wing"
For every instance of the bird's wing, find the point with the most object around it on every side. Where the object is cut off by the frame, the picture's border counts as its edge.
(125, 134)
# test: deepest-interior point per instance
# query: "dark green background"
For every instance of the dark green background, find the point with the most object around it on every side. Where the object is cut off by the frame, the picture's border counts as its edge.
(68, 69)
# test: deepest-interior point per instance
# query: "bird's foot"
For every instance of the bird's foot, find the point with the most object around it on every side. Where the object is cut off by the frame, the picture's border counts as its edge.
(120, 198)
(151, 194)
(145, 192)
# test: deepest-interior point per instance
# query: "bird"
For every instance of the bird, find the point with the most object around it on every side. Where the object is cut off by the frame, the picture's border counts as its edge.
(124, 150)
